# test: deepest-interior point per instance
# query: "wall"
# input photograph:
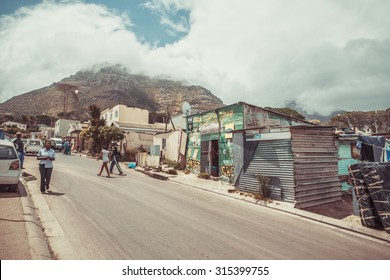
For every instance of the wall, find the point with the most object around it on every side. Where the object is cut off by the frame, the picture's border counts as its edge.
(122, 113)
(18, 125)
(345, 159)
(133, 115)
(301, 163)
(268, 154)
(175, 145)
(61, 127)
(315, 166)
(135, 140)
(257, 117)
(214, 125)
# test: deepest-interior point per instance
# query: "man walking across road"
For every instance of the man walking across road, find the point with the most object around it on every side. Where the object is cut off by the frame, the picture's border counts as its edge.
(115, 156)
(46, 157)
(19, 145)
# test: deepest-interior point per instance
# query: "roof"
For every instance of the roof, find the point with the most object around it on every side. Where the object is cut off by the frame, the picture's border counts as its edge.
(140, 127)
(283, 127)
(268, 110)
(6, 143)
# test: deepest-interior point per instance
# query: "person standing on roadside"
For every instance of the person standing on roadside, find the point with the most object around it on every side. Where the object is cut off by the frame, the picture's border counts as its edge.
(105, 157)
(46, 157)
(115, 156)
(19, 145)
(65, 147)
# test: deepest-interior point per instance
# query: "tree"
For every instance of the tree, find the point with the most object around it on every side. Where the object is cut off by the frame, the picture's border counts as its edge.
(99, 132)
(66, 90)
(109, 134)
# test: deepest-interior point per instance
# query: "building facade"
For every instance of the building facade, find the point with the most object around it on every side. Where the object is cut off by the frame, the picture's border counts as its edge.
(210, 146)
(124, 114)
(61, 127)
(21, 126)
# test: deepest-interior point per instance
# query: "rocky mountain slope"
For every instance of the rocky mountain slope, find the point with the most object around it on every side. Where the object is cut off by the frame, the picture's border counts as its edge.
(107, 87)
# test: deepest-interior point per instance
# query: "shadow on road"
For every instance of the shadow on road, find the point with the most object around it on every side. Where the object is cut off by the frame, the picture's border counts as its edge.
(53, 193)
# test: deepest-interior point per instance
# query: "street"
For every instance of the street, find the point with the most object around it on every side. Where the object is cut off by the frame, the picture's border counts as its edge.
(138, 217)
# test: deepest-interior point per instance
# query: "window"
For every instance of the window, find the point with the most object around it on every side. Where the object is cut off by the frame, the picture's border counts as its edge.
(116, 114)
(7, 153)
(164, 143)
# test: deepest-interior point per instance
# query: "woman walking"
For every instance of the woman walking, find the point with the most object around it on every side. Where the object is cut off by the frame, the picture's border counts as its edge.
(104, 156)
(46, 157)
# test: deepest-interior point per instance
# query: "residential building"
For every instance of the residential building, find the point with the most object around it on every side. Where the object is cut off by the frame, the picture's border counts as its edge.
(73, 133)
(61, 127)
(140, 134)
(172, 144)
(124, 114)
(21, 126)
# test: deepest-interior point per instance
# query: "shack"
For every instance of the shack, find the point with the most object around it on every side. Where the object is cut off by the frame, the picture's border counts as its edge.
(210, 146)
(300, 163)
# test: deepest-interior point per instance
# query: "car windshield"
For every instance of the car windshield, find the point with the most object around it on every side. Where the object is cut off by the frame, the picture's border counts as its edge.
(7, 153)
(36, 143)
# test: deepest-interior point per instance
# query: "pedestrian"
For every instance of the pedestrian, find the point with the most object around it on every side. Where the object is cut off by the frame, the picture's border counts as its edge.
(46, 156)
(115, 156)
(65, 147)
(19, 145)
(69, 148)
(104, 156)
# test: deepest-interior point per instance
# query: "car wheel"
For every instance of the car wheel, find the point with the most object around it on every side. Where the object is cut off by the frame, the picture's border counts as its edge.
(13, 188)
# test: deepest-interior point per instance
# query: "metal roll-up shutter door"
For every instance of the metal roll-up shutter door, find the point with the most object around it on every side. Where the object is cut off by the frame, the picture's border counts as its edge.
(274, 159)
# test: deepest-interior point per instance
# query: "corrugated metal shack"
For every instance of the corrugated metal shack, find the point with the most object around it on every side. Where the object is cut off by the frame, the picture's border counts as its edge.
(210, 146)
(301, 163)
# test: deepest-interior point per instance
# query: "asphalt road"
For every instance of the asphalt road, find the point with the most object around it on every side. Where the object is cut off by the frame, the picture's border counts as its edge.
(138, 217)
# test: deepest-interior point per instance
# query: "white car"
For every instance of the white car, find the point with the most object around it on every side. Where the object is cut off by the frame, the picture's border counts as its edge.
(9, 165)
(56, 144)
(33, 146)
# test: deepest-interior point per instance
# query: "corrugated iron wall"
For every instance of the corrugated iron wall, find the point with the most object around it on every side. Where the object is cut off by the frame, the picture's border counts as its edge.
(315, 166)
(271, 158)
(345, 159)
(238, 154)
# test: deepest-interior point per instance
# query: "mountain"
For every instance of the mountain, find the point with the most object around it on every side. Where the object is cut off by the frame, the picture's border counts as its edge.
(314, 116)
(109, 86)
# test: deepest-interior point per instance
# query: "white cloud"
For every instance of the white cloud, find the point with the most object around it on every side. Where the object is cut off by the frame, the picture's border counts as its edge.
(167, 11)
(325, 54)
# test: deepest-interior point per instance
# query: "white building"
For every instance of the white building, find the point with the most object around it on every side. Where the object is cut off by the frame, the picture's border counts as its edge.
(124, 114)
(173, 145)
(21, 126)
(61, 127)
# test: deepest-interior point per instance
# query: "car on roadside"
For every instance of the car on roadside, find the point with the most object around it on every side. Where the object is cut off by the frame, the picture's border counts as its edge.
(33, 146)
(9, 166)
(56, 144)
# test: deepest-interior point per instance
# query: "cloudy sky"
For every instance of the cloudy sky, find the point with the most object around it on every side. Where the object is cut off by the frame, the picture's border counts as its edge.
(325, 55)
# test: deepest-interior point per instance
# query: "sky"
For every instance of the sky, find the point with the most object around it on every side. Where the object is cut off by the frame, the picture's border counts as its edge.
(324, 55)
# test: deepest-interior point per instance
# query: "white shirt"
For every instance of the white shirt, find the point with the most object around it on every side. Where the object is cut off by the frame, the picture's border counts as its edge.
(105, 156)
(46, 153)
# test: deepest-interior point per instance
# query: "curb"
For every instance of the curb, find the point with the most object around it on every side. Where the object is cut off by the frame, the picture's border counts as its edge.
(38, 247)
(153, 174)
